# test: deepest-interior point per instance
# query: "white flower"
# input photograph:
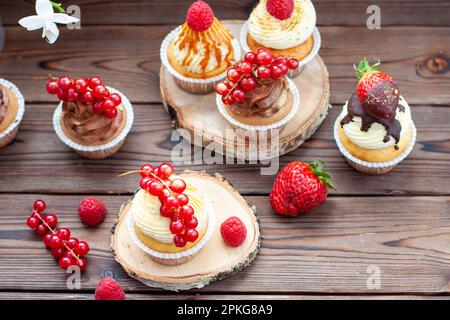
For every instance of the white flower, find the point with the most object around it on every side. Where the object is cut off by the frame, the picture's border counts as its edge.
(47, 20)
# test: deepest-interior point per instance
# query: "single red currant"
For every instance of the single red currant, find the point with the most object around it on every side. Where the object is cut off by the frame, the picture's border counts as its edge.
(244, 68)
(41, 230)
(116, 98)
(100, 92)
(144, 183)
(58, 253)
(39, 205)
(111, 114)
(222, 88)
(72, 243)
(81, 263)
(32, 222)
(264, 58)
(165, 212)
(179, 240)
(94, 81)
(176, 227)
(292, 64)
(191, 223)
(191, 235)
(72, 95)
(61, 94)
(247, 84)
(263, 72)
(97, 107)
(66, 261)
(238, 95)
(81, 249)
(182, 199)
(87, 97)
(233, 75)
(47, 238)
(165, 170)
(163, 195)
(280, 60)
(107, 105)
(155, 188)
(186, 212)
(51, 220)
(63, 233)
(55, 242)
(65, 83)
(146, 170)
(228, 100)
(250, 57)
(275, 72)
(177, 186)
(284, 69)
(171, 202)
(81, 85)
(52, 87)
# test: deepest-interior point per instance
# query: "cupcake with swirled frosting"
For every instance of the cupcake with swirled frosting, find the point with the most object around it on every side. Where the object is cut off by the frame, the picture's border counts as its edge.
(284, 27)
(375, 130)
(199, 52)
(12, 108)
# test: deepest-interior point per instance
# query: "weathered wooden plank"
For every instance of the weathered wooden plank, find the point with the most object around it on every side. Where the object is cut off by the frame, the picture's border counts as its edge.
(342, 12)
(134, 67)
(38, 162)
(328, 251)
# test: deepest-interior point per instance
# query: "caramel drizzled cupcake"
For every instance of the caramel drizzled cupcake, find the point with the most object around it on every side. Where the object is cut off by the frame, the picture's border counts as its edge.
(257, 95)
(12, 108)
(92, 119)
(199, 52)
(375, 130)
(283, 27)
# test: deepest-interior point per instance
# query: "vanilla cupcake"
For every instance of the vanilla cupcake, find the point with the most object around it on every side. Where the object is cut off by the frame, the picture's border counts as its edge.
(12, 108)
(92, 119)
(284, 27)
(198, 53)
(171, 234)
(375, 130)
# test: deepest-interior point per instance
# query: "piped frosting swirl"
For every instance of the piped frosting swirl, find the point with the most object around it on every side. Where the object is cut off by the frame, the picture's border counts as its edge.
(3, 103)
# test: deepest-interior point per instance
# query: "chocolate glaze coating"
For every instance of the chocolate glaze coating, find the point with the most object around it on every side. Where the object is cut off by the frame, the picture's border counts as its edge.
(382, 100)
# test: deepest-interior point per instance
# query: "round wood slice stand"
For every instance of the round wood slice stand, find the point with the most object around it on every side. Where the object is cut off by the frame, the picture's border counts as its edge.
(199, 115)
(214, 262)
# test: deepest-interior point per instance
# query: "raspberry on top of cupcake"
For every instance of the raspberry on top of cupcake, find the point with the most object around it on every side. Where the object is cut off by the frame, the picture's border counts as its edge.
(203, 49)
(283, 27)
(256, 91)
(376, 124)
(91, 114)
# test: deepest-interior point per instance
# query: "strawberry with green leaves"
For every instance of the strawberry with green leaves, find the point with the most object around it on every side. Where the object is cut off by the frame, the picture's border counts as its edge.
(300, 188)
(369, 77)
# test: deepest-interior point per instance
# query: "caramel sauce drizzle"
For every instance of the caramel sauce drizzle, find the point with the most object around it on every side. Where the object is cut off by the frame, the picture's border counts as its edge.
(211, 40)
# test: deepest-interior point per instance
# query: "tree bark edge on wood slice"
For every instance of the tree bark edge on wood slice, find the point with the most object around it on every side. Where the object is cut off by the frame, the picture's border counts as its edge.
(139, 266)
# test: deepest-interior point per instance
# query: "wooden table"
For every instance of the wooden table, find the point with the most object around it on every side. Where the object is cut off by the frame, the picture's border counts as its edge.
(399, 222)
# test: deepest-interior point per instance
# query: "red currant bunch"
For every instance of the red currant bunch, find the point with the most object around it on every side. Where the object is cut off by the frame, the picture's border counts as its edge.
(89, 91)
(158, 181)
(67, 250)
(242, 78)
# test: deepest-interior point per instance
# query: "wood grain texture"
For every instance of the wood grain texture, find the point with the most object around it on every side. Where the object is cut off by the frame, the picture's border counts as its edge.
(37, 162)
(327, 251)
(329, 12)
(406, 53)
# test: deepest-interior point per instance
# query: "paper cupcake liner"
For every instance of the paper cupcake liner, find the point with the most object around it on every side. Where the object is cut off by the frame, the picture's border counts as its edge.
(276, 125)
(10, 133)
(374, 168)
(101, 151)
(198, 86)
(179, 257)
(301, 66)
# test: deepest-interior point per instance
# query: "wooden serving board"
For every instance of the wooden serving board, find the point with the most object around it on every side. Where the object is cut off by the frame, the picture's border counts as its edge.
(199, 115)
(214, 262)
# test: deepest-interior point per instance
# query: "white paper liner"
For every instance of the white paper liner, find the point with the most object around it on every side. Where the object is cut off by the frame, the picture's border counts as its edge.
(165, 61)
(282, 122)
(302, 63)
(179, 255)
(79, 147)
(20, 109)
(376, 165)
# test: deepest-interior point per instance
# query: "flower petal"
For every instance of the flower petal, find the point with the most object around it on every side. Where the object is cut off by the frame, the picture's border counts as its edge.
(32, 23)
(63, 18)
(44, 8)
(52, 33)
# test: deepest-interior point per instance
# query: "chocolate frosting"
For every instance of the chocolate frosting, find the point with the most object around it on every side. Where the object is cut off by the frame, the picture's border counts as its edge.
(356, 109)
(3, 103)
(89, 127)
(263, 100)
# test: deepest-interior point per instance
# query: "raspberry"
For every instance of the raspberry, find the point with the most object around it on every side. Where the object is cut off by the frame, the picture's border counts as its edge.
(92, 211)
(233, 231)
(200, 16)
(109, 289)
(280, 9)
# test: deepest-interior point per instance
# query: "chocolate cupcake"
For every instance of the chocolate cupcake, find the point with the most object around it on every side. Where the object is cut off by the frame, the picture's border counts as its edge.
(12, 108)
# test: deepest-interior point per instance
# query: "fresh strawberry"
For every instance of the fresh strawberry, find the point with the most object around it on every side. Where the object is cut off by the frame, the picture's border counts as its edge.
(280, 9)
(369, 77)
(299, 188)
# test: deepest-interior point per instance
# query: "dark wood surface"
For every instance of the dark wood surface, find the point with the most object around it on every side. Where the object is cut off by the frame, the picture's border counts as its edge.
(399, 221)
